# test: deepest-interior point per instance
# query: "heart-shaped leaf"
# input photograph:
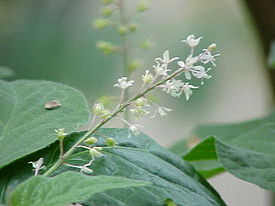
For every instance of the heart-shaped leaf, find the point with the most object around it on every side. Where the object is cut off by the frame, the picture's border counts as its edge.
(26, 126)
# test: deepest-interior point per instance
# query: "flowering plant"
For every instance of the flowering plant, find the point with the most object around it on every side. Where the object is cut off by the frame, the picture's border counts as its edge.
(56, 151)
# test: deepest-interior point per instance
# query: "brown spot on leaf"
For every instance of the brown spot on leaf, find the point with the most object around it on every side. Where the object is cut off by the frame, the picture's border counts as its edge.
(53, 104)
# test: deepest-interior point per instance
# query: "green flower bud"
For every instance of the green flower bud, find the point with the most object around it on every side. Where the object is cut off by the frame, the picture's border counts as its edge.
(90, 140)
(133, 27)
(107, 1)
(134, 65)
(101, 23)
(122, 30)
(105, 114)
(142, 7)
(106, 12)
(98, 108)
(141, 102)
(212, 47)
(106, 47)
(60, 134)
(94, 152)
(110, 142)
(147, 44)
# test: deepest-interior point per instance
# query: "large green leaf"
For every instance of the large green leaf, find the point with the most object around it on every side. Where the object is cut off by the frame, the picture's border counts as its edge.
(66, 188)
(138, 158)
(244, 149)
(26, 126)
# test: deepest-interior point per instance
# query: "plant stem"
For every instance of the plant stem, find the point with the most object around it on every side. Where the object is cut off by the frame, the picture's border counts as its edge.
(100, 124)
(125, 52)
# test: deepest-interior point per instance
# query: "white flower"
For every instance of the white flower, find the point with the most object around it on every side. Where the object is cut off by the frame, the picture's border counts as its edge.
(191, 41)
(173, 87)
(162, 111)
(187, 90)
(123, 83)
(200, 73)
(134, 129)
(148, 77)
(187, 66)
(37, 166)
(166, 59)
(161, 70)
(206, 57)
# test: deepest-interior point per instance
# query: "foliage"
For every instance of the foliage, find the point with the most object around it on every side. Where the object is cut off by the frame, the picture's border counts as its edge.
(244, 149)
(138, 158)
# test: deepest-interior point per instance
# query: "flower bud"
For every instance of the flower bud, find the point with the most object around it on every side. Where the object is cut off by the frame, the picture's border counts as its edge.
(101, 23)
(106, 47)
(105, 114)
(98, 108)
(95, 152)
(60, 134)
(133, 27)
(211, 47)
(133, 65)
(141, 102)
(148, 77)
(106, 12)
(110, 142)
(122, 30)
(142, 7)
(146, 44)
(90, 140)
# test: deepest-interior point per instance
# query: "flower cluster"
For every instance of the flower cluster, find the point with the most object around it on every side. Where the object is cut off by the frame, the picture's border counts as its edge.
(167, 79)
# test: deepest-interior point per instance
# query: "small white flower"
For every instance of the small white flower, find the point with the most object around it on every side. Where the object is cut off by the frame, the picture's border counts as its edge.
(123, 83)
(207, 57)
(37, 166)
(134, 129)
(187, 66)
(191, 41)
(173, 87)
(148, 77)
(162, 111)
(200, 73)
(166, 59)
(160, 70)
(60, 133)
(187, 90)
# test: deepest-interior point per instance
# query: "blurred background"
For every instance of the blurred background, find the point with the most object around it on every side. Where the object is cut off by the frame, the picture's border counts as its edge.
(54, 40)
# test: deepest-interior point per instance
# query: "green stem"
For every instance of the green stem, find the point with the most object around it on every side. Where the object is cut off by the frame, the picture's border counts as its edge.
(125, 53)
(114, 113)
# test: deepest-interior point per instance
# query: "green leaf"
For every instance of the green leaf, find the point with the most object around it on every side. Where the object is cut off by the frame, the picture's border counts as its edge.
(204, 158)
(66, 188)
(137, 158)
(244, 149)
(271, 58)
(26, 126)
(5, 72)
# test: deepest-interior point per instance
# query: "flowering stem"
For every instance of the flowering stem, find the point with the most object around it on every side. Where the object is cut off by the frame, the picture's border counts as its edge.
(100, 124)
(125, 52)
(92, 122)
